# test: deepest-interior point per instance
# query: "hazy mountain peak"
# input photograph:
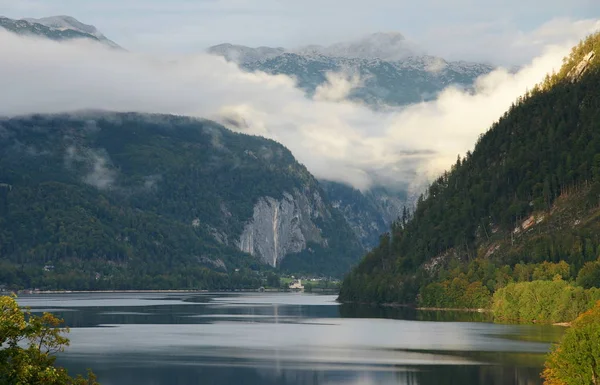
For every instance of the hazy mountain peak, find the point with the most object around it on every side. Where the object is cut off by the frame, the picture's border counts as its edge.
(66, 22)
(243, 54)
(389, 46)
(384, 37)
(60, 27)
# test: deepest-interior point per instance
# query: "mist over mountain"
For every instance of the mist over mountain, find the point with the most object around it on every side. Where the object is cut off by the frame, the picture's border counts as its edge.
(380, 70)
(374, 158)
(389, 70)
(243, 54)
(388, 46)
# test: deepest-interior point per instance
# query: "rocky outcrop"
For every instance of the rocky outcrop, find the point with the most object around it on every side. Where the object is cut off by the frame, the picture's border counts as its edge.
(583, 65)
(284, 226)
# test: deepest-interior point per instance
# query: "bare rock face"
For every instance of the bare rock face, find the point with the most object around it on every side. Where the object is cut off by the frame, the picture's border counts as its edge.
(281, 227)
(576, 72)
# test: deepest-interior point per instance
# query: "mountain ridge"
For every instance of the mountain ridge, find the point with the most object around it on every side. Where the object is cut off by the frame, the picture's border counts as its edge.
(498, 213)
(410, 78)
(387, 46)
(125, 200)
(56, 28)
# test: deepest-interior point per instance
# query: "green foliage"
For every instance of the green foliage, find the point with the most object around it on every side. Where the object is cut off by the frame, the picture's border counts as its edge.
(576, 360)
(542, 301)
(589, 275)
(547, 271)
(28, 345)
(127, 201)
(273, 280)
(456, 293)
(537, 164)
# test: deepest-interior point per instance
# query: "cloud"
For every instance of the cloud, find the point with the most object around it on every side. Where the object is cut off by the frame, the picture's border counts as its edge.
(337, 140)
(502, 41)
(100, 176)
(338, 86)
(94, 164)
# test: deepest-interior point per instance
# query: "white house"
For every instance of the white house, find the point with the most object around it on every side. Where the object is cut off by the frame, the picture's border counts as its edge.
(296, 285)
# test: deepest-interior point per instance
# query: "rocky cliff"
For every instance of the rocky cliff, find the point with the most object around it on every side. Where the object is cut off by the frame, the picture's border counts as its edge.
(285, 226)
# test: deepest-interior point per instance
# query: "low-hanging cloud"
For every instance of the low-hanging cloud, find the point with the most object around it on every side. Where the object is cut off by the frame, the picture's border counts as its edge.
(94, 164)
(336, 139)
(338, 86)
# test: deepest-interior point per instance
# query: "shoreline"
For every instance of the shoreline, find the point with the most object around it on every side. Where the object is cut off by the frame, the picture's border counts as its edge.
(28, 292)
(415, 307)
(466, 310)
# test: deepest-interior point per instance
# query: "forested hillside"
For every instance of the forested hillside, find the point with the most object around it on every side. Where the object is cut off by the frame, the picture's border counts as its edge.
(104, 200)
(526, 198)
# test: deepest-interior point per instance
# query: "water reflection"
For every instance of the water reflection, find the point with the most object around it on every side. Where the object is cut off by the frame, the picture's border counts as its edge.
(190, 373)
(288, 339)
(409, 313)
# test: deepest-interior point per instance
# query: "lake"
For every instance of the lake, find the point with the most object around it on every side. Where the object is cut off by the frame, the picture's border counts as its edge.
(285, 339)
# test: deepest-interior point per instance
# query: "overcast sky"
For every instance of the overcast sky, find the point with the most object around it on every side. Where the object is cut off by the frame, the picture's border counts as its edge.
(498, 31)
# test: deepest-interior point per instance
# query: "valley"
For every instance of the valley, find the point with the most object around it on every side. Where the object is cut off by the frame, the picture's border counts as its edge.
(304, 204)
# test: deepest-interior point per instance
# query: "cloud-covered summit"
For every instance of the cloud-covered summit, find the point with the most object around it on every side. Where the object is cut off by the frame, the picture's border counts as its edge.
(389, 46)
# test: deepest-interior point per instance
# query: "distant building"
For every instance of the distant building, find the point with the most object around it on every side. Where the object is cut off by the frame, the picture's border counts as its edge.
(296, 285)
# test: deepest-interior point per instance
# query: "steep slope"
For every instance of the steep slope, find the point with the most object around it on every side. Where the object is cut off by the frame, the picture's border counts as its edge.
(527, 194)
(56, 28)
(129, 200)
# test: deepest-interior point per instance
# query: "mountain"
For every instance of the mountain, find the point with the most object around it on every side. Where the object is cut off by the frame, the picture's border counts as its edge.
(383, 83)
(368, 213)
(524, 205)
(392, 71)
(390, 46)
(106, 200)
(387, 46)
(56, 28)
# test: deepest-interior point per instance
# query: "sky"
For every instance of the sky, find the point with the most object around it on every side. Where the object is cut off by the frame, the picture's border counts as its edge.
(498, 31)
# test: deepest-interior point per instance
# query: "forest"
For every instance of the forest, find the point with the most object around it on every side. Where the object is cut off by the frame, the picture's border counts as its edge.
(522, 206)
(101, 200)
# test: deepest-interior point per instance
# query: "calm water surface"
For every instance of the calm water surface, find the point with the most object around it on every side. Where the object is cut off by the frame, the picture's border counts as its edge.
(282, 338)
